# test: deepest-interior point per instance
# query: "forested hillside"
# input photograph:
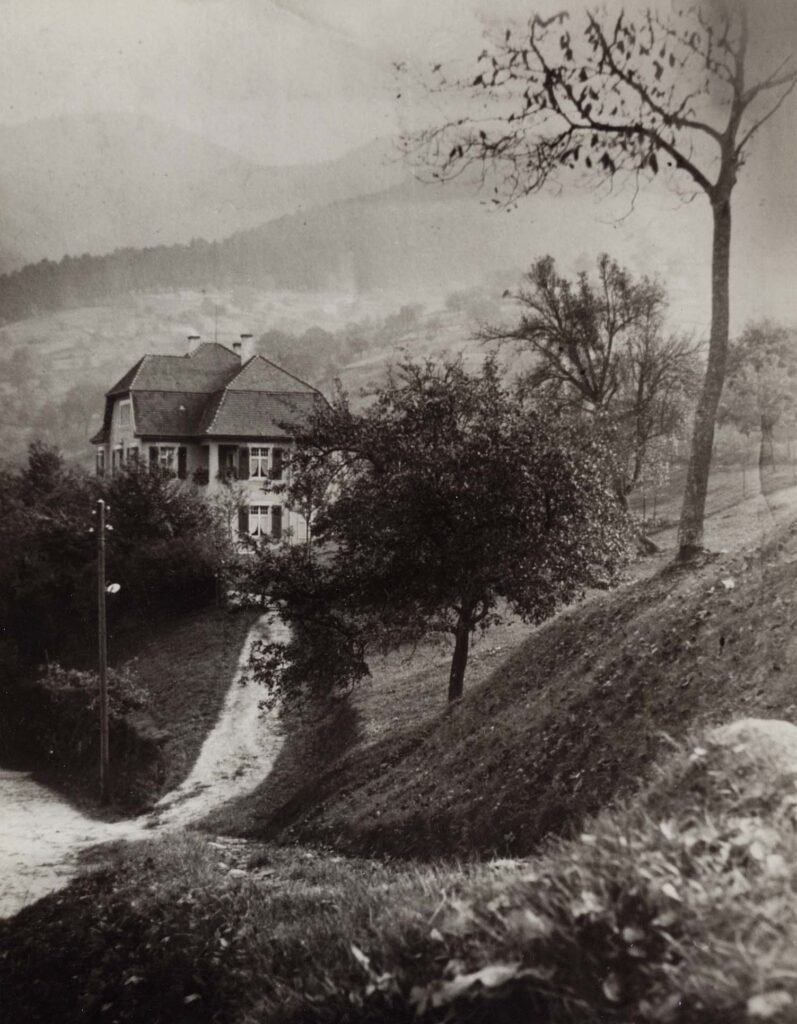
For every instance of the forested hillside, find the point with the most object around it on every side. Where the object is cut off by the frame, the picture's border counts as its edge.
(400, 239)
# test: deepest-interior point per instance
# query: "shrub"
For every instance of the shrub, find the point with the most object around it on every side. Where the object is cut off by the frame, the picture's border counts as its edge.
(56, 725)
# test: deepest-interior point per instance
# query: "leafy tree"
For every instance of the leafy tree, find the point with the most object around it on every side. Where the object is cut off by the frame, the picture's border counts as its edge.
(600, 346)
(453, 497)
(762, 384)
(45, 555)
(164, 548)
(661, 90)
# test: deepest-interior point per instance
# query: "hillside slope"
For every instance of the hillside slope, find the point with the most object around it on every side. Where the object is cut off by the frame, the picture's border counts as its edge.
(573, 718)
(675, 908)
(185, 665)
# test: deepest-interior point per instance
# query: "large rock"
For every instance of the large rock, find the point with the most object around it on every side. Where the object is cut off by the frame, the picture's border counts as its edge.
(769, 742)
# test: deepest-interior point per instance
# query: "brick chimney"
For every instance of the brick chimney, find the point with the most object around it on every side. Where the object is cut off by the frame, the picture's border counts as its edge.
(193, 342)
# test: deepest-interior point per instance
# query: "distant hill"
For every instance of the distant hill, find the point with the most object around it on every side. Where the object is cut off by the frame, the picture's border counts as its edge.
(100, 182)
(409, 236)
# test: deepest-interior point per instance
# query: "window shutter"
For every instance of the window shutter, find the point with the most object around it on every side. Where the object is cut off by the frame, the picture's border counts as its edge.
(276, 463)
(153, 456)
(243, 463)
(182, 462)
(243, 520)
(276, 522)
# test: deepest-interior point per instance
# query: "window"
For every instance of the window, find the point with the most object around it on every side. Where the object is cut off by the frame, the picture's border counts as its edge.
(258, 463)
(132, 453)
(166, 456)
(100, 462)
(116, 458)
(258, 520)
(125, 414)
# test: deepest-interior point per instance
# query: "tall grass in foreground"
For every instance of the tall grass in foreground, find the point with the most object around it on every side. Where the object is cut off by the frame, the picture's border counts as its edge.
(676, 907)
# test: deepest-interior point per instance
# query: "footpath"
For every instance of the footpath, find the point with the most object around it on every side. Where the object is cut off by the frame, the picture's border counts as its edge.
(42, 836)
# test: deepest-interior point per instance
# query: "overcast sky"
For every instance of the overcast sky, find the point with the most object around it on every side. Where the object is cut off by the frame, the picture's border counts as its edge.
(286, 81)
(283, 80)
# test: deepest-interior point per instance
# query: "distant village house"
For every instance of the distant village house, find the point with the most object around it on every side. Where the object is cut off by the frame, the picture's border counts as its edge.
(213, 416)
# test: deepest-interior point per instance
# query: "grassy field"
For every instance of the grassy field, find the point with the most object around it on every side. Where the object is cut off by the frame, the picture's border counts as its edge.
(554, 722)
(728, 488)
(187, 667)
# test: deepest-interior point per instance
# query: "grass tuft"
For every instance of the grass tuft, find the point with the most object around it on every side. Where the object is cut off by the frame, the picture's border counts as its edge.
(676, 906)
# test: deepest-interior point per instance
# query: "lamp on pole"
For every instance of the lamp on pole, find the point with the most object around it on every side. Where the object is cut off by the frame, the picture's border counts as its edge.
(102, 634)
(102, 638)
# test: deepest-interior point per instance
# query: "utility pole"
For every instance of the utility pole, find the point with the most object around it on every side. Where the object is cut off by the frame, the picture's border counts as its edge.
(102, 631)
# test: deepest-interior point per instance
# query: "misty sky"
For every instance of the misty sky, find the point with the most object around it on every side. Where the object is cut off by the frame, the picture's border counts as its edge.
(285, 81)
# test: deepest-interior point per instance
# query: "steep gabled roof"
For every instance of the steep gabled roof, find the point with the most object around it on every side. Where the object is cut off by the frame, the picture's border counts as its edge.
(123, 384)
(260, 374)
(209, 367)
(209, 394)
(258, 414)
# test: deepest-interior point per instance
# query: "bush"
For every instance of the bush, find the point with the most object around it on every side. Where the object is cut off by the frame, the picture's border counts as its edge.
(56, 728)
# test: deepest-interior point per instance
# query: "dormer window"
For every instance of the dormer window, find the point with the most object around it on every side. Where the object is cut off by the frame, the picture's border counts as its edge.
(125, 413)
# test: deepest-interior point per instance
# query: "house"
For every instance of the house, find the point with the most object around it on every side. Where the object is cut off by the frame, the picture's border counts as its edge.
(214, 416)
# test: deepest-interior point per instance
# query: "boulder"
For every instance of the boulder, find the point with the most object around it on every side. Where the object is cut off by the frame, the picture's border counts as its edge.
(770, 743)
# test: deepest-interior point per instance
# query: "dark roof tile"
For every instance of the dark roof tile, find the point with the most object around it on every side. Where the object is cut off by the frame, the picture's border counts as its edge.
(205, 370)
(165, 414)
(259, 414)
(260, 374)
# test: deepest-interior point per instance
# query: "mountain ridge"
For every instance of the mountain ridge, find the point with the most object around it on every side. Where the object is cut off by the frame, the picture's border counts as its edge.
(99, 182)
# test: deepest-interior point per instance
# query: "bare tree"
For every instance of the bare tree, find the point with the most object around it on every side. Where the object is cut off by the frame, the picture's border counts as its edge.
(762, 384)
(666, 91)
(600, 345)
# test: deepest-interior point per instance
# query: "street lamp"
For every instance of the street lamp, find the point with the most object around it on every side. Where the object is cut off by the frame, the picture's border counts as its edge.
(102, 634)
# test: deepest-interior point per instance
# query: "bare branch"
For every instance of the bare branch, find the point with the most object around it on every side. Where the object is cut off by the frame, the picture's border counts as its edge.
(766, 117)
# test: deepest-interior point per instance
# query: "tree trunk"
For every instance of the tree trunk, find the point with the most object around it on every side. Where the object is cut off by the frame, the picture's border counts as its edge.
(459, 660)
(690, 530)
(766, 451)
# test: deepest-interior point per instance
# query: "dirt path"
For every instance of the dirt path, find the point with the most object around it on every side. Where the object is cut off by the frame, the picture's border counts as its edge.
(41, 836)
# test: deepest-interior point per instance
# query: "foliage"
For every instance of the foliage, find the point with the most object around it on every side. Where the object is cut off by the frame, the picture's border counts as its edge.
(326, 648)
(161, 549)
(452, 493)
(612, 95)
(46, 592)
(164, 548)
(78, 691)
(53, 727)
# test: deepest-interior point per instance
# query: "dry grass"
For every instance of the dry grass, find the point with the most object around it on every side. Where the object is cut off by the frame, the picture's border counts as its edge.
(381, 722)
(187, 667)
